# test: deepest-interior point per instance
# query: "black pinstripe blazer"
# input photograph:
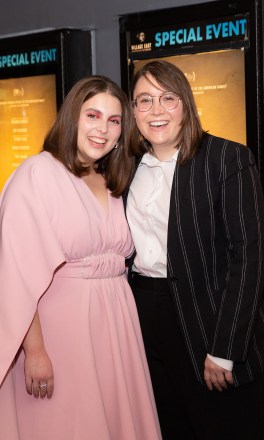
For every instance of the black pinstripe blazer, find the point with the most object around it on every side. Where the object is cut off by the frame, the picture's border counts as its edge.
(216, 256)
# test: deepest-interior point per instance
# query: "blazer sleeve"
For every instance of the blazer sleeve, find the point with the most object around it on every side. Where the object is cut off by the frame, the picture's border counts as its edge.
(242, 211)
(29, 255)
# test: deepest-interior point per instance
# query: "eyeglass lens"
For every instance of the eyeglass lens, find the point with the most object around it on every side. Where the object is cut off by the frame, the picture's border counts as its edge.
(168, 101)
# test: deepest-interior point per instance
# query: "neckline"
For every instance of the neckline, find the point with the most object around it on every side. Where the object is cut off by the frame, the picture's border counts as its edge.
(105, 210)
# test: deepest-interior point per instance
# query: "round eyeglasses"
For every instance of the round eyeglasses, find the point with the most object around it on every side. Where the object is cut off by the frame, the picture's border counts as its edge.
(168, 101)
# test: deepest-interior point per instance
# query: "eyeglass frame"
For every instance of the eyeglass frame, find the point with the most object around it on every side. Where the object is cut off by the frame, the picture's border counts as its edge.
(152, 100)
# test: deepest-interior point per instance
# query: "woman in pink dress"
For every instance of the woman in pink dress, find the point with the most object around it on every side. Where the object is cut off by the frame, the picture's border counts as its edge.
(72, 362)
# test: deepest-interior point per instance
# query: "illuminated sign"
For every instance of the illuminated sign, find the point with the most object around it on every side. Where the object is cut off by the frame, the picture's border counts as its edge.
(192, 34)
(227, 29)
(28, 58)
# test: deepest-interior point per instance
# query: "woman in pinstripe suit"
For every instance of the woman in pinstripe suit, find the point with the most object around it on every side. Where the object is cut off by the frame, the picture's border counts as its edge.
(196, 212)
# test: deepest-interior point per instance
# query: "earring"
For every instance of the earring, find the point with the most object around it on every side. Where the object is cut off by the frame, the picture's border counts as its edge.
(140, 137)
(116, 146)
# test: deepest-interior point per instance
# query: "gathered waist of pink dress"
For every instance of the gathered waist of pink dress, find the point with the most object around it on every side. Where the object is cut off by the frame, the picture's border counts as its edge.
(94, 267)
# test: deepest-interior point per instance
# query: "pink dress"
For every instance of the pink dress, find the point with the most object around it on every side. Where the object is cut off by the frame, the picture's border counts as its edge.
(61, 252)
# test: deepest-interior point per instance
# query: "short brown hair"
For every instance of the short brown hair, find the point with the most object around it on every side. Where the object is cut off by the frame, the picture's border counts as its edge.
(61, 141)
(171, 78)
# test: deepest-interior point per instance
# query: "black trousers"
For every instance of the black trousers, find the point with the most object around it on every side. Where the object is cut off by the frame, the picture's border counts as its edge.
(188, 410)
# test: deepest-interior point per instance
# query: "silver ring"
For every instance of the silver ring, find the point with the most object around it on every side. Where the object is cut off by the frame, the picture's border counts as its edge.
(43, 385)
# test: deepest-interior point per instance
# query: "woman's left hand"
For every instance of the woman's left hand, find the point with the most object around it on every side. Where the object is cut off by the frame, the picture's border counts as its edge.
(39, 374)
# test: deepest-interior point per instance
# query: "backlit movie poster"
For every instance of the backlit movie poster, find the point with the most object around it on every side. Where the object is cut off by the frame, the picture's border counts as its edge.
(28, 109)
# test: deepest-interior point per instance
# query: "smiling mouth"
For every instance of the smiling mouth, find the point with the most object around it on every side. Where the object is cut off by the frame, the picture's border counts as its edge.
(97, 140)
(158, 123)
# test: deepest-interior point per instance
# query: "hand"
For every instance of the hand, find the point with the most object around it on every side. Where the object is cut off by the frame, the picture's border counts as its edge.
(39, 372)
(216, 376)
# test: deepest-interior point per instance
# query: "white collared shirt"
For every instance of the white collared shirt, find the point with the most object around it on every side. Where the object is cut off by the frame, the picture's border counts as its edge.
(148, 206)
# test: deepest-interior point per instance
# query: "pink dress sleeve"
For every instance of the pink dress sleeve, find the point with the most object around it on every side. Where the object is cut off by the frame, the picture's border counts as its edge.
(29, 254)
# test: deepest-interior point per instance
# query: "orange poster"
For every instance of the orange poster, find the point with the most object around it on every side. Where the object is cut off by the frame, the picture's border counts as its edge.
(27, 110)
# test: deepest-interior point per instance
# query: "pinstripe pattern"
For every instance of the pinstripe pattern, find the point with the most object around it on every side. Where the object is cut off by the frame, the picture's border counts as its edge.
(215, 261)
(258, 281)
(212, 220)
(200, 241)
(188, 268)
(175, 291)
(244, 264)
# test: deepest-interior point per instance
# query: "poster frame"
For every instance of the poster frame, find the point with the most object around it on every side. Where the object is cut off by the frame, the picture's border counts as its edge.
(73, 61)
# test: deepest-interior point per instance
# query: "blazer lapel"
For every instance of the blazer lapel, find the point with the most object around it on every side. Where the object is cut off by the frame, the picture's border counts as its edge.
(181, 180)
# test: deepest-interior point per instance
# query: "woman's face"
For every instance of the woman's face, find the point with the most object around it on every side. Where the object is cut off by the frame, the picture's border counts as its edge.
(158, 125)
(99, 127)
